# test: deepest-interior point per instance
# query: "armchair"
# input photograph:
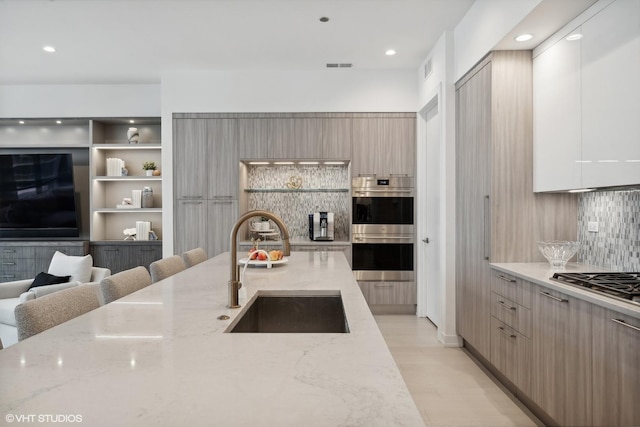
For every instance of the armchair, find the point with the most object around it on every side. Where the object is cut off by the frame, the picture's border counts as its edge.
(16, 292)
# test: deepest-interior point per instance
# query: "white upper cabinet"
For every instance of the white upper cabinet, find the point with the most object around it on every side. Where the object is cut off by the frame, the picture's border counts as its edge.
(556, 117)
(586, 109)
(611, 96)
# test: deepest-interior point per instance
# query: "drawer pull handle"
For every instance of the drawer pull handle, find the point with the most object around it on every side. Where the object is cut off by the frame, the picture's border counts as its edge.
(505, 278)
(112, 250)
(622, 322)
(379, 285)
(503, 305)
(548, 295)
(8, 263)
(504, 332)
(9, 251)
(147, 250)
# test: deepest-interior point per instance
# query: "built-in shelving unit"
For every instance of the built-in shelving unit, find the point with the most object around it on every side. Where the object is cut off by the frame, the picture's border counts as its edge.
(109, 140)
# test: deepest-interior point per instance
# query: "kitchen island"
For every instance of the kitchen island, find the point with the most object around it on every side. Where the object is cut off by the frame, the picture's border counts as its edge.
(162, 357)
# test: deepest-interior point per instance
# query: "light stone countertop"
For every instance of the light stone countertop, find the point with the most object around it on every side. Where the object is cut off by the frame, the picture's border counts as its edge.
(160, 357)
(540, 273)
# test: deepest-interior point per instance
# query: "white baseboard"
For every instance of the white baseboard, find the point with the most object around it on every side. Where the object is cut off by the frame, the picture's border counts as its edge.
(449, 340)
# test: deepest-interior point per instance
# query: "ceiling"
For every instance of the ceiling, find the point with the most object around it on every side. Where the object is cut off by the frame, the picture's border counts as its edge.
(136, 41)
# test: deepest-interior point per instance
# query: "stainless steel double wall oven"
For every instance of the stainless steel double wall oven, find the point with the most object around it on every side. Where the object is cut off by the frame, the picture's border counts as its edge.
(382, 234)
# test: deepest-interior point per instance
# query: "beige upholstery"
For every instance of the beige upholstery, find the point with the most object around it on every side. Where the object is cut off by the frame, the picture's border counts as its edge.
(194, 256)
(166, 267)
(40, 314)
(16, 292)
(123, 283)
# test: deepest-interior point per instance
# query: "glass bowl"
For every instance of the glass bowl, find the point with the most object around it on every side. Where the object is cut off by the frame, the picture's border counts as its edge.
(558, 252)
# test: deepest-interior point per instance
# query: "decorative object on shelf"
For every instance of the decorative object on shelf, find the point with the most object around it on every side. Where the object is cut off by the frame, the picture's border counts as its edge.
(156, 172)
(136, 196)
(147, 197)
(149, 167)
(129, 233)
(133, 136)
(127, 203)
(558, 252)
(142, 230)
(294, 183)
(125, 172)
(114, 166)
(153, 235)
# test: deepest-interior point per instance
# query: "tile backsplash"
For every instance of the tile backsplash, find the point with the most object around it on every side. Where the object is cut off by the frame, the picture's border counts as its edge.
(324, 188)
(616, 245)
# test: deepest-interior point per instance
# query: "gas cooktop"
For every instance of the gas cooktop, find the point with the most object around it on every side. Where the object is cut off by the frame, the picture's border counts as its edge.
(622, 286)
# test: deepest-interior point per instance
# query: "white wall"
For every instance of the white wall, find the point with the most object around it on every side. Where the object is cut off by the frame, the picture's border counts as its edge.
(440, 87)
(32, 101)
(483, 26)
(332, 90)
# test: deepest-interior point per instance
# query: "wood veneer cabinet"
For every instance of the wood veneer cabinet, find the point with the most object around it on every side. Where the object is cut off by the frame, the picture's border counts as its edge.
(206, 182)
(280, 138)
(384, 145)
(498, 217)
(562, 380)
(123, 255)
(24, 260)
(616, 368)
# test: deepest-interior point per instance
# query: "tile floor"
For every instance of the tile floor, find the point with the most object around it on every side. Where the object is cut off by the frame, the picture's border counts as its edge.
(448, 387)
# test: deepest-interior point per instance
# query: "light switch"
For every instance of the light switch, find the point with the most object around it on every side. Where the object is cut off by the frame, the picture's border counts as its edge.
(592, 226)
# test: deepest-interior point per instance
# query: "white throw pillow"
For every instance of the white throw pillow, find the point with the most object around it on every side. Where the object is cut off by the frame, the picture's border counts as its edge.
(78, 267)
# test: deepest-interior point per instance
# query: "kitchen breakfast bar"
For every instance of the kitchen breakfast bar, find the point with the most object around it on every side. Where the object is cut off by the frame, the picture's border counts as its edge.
(163, 357)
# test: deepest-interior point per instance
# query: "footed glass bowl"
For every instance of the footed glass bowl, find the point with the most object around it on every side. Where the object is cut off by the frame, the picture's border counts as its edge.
(558, 252)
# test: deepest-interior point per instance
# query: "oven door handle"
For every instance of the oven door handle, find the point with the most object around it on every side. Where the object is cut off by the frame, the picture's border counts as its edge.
(364, 239)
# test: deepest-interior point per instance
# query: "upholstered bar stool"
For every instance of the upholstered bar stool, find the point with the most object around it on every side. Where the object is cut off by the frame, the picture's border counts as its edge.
(166, 267)
(194, 256)
(123, 283)
(40, 314)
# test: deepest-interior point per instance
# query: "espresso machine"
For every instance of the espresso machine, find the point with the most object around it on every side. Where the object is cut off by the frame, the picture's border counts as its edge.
(321, 226)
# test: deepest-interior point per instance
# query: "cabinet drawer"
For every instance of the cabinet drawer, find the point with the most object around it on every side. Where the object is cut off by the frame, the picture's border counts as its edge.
(511, 354)
(389, 292)
(512, 314)
(511, 287)
(8, 252)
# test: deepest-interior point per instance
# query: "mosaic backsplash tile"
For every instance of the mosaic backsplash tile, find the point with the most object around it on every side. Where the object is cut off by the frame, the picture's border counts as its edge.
(294, 206)
(616, 245)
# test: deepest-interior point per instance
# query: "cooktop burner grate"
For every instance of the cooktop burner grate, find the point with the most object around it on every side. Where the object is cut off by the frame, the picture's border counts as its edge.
(624, 286)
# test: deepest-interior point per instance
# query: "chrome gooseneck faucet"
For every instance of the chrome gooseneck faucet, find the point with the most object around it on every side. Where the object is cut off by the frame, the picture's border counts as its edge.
(234, 282)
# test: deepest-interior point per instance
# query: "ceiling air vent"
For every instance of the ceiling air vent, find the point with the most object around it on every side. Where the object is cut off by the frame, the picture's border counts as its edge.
(339, 65)
(428, 68)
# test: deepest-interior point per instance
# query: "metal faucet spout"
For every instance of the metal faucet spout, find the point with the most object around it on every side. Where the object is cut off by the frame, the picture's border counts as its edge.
(234, 282)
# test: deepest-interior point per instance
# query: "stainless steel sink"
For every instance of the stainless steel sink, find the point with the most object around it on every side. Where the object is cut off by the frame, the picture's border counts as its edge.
(300, 312)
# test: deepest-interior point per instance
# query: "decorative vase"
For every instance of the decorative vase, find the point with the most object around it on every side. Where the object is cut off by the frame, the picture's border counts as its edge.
(133, 136)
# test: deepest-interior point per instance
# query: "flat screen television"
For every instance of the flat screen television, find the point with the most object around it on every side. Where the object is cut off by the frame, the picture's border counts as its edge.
(37, 196)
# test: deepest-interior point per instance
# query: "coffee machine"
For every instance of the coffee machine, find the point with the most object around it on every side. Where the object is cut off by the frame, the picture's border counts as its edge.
(321, 226)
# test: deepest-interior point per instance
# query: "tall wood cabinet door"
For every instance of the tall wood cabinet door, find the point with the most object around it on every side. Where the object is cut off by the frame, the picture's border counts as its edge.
(190, 225)
(366, 146)
(190, 138)
(401, 146)
(473, 135)
(221, 216)
(307, 139)
(254, 138)
(561, 366)
(616, 368)
(336, 138)
(222, 159)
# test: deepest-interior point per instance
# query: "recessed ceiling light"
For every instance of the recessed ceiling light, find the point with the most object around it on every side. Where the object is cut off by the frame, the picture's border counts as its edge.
(523, 37)
(58, 122)
(333, 163)
(132, 121)
(49, 49)
(258, 163)
(324, 19)
(573, 37)
(21, 122)
(390, 52)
